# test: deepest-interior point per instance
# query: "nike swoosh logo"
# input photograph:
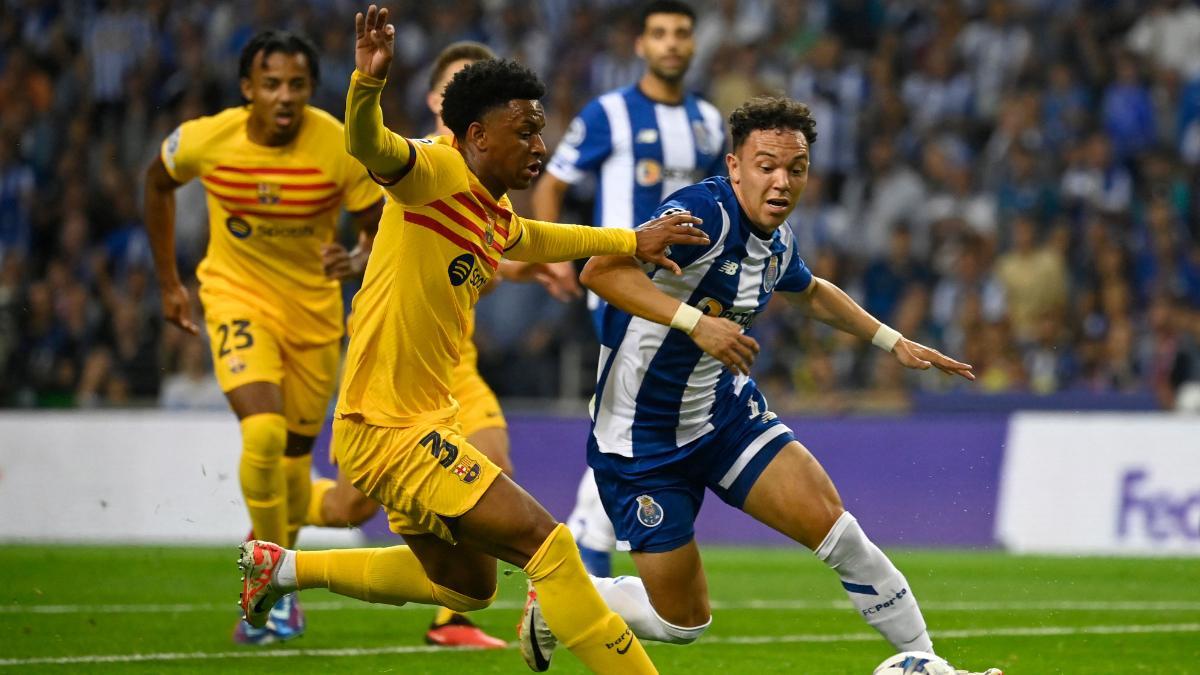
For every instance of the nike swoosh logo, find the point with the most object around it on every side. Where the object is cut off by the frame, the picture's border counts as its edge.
(627, 646)
(538, 658)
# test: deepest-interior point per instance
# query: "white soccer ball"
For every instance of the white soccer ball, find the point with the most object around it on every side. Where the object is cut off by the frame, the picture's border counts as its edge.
(914, 663)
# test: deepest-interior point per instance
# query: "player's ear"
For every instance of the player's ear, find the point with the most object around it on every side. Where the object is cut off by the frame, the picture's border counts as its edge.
(731, 163)
(434, 100)
(247, 88)
(638, 49)
(477, 136)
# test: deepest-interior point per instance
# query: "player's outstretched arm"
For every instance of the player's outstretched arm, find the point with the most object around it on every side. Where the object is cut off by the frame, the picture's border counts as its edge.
(623, 284)
(385, 153)
(540, 241)
(829, 304)
(160, 228)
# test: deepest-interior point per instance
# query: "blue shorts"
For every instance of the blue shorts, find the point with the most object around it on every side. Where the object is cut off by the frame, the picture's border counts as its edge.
(653, 501)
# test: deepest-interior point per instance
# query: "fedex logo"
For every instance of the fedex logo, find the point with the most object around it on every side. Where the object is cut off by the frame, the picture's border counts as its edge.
(1162, 514)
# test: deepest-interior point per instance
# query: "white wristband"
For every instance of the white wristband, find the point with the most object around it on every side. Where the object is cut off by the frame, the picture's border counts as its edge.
(886, 337)
(686, 318)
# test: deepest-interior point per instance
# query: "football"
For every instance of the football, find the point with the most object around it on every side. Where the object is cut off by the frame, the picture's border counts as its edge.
(914, 663)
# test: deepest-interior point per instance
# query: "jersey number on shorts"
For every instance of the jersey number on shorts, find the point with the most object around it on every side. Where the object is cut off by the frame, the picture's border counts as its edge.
(242, 339)
(433, 441)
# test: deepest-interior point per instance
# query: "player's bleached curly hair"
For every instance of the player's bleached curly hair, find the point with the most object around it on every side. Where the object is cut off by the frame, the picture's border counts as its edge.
(771, 112)
(485, 85)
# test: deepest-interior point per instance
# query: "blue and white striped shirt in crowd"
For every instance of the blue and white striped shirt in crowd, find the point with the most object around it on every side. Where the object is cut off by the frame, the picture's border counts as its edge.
(641, 151)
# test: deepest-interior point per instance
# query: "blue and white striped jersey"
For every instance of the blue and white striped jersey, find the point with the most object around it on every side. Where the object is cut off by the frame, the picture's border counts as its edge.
(641, 150)
(656, 390)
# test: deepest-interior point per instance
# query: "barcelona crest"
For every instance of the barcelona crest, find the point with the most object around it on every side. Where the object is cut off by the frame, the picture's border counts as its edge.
(649, 512)
(269, 193)
(467, 470)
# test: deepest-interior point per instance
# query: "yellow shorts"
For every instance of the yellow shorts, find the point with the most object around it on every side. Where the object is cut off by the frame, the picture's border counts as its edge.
(421, 474)
(248, 349)
(478, 407)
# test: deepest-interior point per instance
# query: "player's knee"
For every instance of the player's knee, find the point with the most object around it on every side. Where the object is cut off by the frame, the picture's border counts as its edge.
(460, 602)
(264, 437)
(688, 633)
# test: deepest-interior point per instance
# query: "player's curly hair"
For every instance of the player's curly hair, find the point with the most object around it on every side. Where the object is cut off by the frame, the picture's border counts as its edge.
(483, 85)
(771, 112)
(270, 41)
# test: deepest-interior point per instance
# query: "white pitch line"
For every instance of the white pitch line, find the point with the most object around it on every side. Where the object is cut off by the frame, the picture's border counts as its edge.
(340, 605)
(1017, 631)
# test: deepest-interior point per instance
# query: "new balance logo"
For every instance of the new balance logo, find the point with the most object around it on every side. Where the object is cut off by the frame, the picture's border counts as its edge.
(728, 267)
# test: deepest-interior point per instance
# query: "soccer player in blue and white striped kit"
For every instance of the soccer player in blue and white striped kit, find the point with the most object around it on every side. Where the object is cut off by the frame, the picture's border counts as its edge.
(642, 143)
(676, 412)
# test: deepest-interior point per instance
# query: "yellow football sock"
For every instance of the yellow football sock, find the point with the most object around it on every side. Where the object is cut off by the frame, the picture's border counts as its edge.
(315, 515)
(297, 472)
(260, 471)
(444, 616)
(575, 612)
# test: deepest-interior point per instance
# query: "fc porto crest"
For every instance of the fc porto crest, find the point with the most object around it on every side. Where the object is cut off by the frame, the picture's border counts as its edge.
(771, 276)
(649, 512)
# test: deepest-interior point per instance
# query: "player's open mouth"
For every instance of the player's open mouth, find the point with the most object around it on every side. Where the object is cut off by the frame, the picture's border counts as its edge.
(534, 169)
(284, 119)
(777, 204)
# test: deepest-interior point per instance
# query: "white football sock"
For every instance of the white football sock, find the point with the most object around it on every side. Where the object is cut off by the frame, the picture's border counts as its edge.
(876, 588)
(588, 521)
(628, 598)
(285, 572)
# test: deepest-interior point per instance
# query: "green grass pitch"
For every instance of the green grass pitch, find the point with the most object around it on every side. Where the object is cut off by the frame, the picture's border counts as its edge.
(154, 610)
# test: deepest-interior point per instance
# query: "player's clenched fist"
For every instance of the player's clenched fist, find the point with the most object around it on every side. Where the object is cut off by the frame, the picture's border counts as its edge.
(656, 236)
(374, 39)
(723, 340)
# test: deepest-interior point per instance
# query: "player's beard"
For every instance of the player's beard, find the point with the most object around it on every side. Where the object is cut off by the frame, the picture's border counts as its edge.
(668, 76)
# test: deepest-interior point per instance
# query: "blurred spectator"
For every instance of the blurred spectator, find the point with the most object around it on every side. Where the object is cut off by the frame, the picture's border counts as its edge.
(887, 281)
(192, 387)
(1034, 277)
(994, 49)
(1169, 35)
(975, 161)
(888, 194)
(1128, 113)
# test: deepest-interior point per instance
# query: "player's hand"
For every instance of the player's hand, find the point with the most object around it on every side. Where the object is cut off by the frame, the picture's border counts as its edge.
(342, 264)
(559, 280)
(374, 40)
(919, 357)
(177, 307)
(723, 340)
(654, 238)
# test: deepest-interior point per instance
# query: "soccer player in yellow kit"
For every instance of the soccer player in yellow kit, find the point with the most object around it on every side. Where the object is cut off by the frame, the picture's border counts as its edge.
(442, 234)
(277, 176)
(338, 503)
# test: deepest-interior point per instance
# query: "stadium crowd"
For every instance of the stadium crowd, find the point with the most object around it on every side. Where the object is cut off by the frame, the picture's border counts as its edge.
(1015, 180)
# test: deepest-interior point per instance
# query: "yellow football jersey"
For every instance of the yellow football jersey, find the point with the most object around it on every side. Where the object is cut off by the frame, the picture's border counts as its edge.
(270, 211)
(440, 240)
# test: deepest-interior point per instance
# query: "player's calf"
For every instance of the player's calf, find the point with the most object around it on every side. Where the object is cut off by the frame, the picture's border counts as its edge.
(877, 589)
(627, 597)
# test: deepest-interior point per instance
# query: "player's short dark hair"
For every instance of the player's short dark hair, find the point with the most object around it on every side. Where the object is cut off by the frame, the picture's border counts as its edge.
(484, 85)
(270, 41)
(667, 7)
(771, 112)
(470, 51)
